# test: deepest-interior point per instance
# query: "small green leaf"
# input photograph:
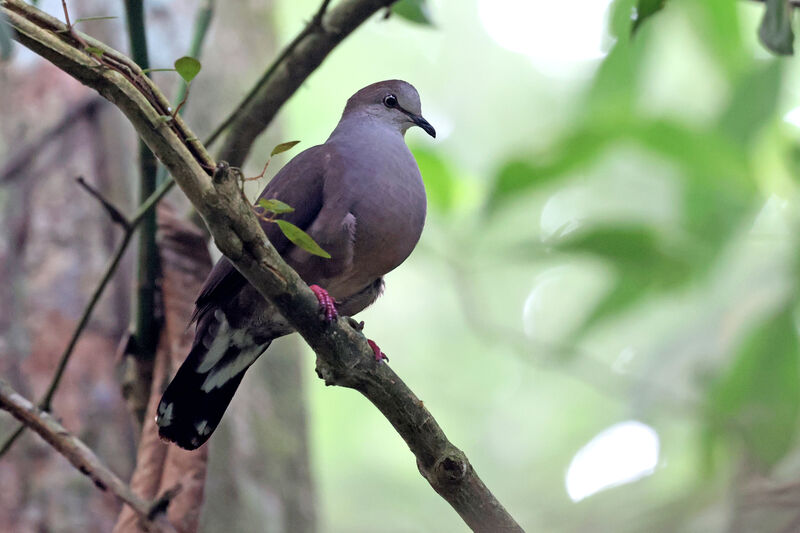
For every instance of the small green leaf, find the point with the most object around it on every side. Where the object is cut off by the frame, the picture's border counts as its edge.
(301, 239)
(95, 51)
(5, 38)
(415, 11)
(283, 147)
(775, 31)
(187, 67)
(757, 401)
(644, 10)
(275, 206)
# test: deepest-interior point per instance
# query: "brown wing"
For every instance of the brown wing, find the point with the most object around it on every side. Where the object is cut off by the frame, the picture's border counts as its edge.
(299, 184)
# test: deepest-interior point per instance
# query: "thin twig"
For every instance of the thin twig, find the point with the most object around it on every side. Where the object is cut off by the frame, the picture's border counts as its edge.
(115, 214)
(76, 452)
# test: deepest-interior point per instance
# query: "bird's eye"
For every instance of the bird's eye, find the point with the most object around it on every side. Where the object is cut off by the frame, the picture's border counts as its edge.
(390, 101)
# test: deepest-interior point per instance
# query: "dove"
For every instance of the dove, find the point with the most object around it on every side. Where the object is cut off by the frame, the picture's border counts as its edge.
(360, 196)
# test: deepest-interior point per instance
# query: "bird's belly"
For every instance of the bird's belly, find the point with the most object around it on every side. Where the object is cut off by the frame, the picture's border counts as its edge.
(386, 236)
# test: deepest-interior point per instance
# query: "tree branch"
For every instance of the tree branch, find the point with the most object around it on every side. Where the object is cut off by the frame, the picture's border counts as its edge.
(343, 356)
(82, 458)
(113, 212)
(83, 321)
(291, 68)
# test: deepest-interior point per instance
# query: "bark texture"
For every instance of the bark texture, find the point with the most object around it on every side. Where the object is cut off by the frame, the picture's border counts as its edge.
(185, 263)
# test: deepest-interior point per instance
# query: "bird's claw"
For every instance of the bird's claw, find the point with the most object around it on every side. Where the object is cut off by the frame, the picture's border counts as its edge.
(326, 303)
(379, 355)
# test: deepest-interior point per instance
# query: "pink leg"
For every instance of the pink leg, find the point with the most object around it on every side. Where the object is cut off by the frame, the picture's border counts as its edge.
(379, 355)
(326, 303)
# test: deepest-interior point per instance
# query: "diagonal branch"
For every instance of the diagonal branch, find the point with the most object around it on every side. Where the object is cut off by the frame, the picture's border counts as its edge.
(343, 356)
(313, 25)
(112, 210)
(151, 514)
(291, 68)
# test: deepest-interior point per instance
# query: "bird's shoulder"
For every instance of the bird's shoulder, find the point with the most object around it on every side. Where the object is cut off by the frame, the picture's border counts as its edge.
(300, 184)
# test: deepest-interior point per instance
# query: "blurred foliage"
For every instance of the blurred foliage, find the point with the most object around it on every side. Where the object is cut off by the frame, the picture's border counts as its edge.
(613, 242)
(755, 400)
(644, 10)
(416, 11)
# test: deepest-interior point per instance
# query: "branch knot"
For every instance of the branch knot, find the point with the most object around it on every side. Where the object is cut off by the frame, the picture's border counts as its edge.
(452, 468)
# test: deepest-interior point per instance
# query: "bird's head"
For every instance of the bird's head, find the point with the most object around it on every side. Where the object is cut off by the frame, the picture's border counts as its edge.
(394, 102)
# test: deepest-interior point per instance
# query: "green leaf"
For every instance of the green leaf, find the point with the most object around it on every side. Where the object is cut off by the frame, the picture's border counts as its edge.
(626, 246)
(96, 51)
(187, 67)
(775, 31)
(644, 10)
(616, 86)
(644, 262)
(519, 175)
(275, 206)
(301, 239)
(620, 14)
(283, 147)
(754, 101)
(6, 44)
(414, 11)
(757, 400)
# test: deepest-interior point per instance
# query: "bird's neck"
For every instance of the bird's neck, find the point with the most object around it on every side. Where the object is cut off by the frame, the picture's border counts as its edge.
(361, 127)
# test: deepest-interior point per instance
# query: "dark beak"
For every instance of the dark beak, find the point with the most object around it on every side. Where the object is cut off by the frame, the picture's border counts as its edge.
(422, 123)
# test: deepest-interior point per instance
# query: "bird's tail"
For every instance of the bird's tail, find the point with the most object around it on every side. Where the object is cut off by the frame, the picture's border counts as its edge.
(196, 399)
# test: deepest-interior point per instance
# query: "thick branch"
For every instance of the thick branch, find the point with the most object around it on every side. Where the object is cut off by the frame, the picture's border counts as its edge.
(298, 60)
(81, 457)
(343, 356)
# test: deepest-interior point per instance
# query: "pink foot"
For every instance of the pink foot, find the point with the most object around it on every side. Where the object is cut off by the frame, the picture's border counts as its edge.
(326, 303)
(379, 355)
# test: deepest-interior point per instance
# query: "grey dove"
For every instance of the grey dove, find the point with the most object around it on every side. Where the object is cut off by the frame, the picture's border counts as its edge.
(360, 196)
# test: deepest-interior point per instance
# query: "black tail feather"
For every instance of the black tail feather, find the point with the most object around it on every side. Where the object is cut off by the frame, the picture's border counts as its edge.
(187, 414)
